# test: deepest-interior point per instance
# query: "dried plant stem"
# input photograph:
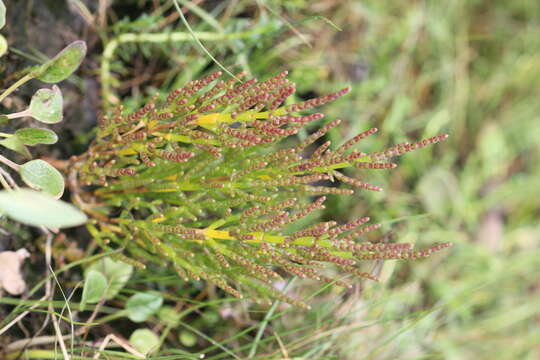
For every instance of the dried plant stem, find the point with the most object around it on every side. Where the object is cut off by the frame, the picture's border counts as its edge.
(110, 48)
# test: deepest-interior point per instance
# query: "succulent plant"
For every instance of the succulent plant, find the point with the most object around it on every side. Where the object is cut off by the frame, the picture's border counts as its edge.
(201, 182)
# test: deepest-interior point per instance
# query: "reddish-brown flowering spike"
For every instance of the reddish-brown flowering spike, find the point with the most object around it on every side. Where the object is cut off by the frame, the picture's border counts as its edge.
(348, 158)
(265, 210)
(226, 287)
(360, 232)
(320, 150)
(173, 95)
(214, 151)
(316, 230)
(317, 101)
(233, 92)
(139, 135)
(146, 160)
(319, 133)
(308, 165)
(243, 135)
(370, 165)
(176, 157)
(207, 108)
(254, 267)
(348, 226)
(423, 253)
(196, 134)
(121, 172)
(264, 128)
(281, 96)
(103, 122)
(139, 114)
(355, 139)
(292, 180)
(210, 94)
(319, 190)
(354, 182)
(359, 273)
(321, 254)
(275, 223)
(402, 148)
(302, 120)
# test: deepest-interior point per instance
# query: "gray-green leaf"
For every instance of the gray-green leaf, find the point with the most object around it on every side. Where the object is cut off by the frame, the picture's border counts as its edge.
(46, 105)
(144, 340)
(15, 144)
(143, 305)
(30, 136)
(117, 274)
(2, 14)
(95, 284)
(3, 45)
(39, 209)
(41, 175)
(63, 64)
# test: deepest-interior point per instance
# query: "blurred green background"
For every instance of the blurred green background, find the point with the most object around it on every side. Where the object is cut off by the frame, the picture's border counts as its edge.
(417, 68)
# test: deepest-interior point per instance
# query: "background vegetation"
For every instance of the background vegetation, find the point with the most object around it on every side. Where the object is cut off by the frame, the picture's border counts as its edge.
(418, 68)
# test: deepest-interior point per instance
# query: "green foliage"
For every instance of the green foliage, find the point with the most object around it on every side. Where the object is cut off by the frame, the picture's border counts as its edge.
(95, 286)
(31, 136)
(45, 106)
(199, 184)
(117, 274)
(144, 340)
(40, 175)
(143, 305)
(2, 14)
(38, 209)
(63, 64)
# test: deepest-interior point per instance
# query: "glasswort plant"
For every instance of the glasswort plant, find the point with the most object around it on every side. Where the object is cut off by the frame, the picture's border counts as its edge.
(197, 182)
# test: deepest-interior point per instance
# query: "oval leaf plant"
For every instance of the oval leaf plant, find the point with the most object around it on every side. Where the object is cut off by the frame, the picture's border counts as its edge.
(63, 64)
(144, 340)
(46, 105)
(117, 274)
(3, 46)
(143, 305)
(95, 285)
(29, 136)
(2, 14)
(15, 144)
(39, 209)
(40, 175)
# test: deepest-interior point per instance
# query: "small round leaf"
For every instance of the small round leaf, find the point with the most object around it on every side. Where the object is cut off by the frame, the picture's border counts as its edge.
(46, 105)
(40, 175)
(63, 64)
(117, 274)
(169, 316)
(95, 284)
(187, 338)
(144, 340)
(15, 144)
(39, 209)
(3, 46)
(30, 136)
(143, 305)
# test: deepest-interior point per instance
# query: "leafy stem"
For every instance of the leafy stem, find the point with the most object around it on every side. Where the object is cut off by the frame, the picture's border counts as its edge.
(13, 87)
